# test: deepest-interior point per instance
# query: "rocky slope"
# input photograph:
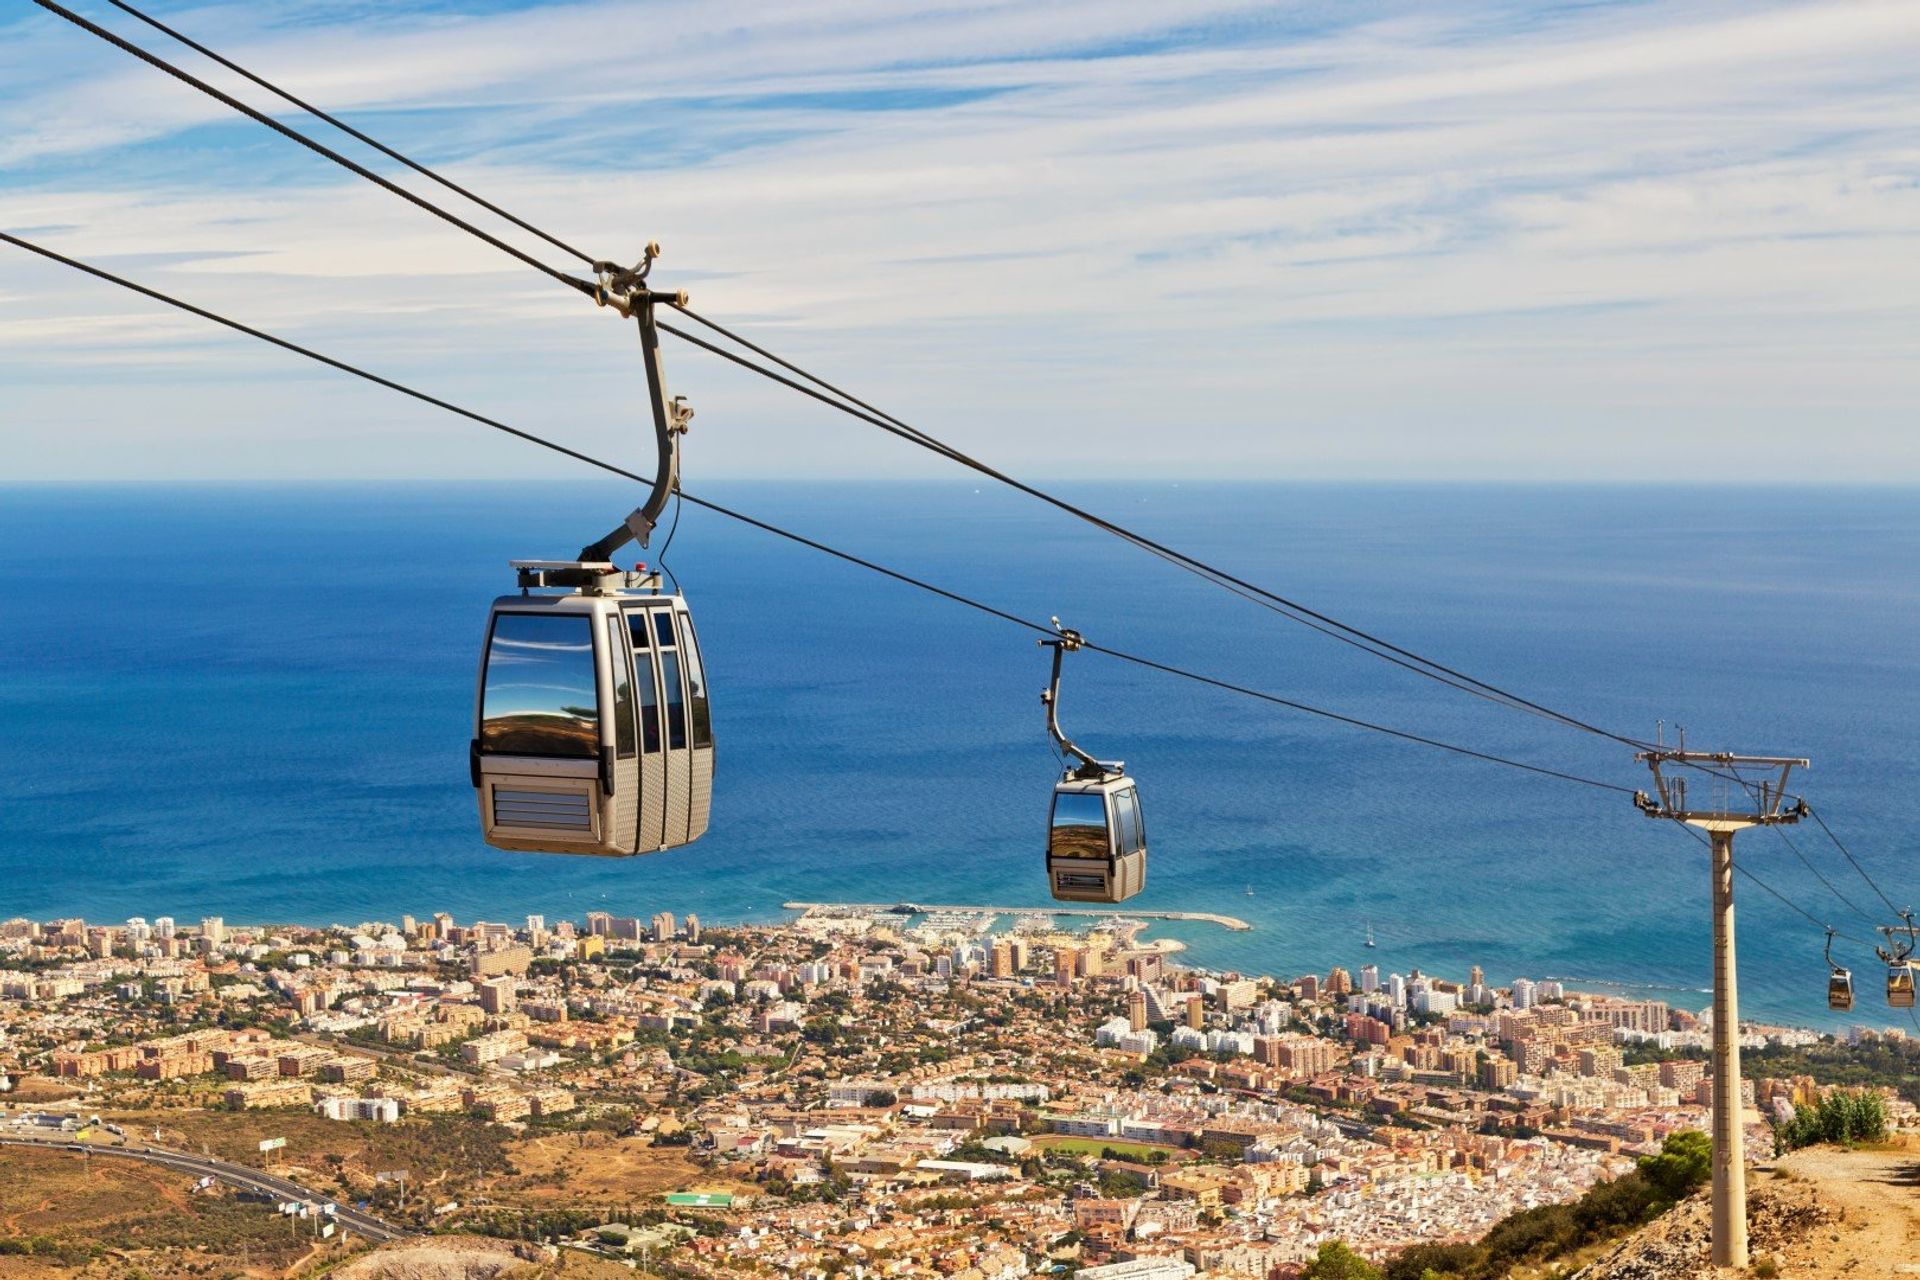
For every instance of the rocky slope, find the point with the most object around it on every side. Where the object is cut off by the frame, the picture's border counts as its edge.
(1823, 1212)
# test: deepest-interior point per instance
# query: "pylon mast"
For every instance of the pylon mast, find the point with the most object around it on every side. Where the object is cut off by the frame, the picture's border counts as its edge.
(1736, 802)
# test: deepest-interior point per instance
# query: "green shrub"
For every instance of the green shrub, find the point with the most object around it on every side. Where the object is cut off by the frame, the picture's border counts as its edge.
(1535, 1236)
(1842, 1116)
(1422, 1261)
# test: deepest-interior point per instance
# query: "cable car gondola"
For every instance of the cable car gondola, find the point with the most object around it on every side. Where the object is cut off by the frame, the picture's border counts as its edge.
(1900, 986)
(1839, 981)
(1898, 955)
(1096, 835)
(592, 728)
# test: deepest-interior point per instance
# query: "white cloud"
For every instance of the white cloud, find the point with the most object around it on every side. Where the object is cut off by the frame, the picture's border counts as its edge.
(1398, 248)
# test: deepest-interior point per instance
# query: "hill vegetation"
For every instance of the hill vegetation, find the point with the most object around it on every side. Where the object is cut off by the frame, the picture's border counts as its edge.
(1546, 1234)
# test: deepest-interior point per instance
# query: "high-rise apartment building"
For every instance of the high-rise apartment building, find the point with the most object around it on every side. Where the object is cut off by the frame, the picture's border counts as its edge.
(497, 995)
(1000, 960)
(1066, 962)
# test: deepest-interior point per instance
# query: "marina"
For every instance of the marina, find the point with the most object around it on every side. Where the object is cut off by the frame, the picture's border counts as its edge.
(1231, 923)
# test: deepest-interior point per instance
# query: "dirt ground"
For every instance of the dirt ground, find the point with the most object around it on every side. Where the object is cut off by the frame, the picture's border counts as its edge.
(471, 1258)
(1821, 1212)
(444, 1155)
(80, 1217)
(28, 1089)
(596, 1167)
(1875, 1198)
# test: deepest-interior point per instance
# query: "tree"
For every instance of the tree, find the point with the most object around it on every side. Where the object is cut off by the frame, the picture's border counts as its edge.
(1337, 1262)
(1685, 1162)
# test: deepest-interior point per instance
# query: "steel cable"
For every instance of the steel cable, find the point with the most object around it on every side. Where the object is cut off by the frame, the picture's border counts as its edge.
(349, 130)
(1297, 612)
(908, 579)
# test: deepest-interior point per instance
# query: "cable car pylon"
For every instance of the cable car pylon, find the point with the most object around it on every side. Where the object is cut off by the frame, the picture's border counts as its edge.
(1760, 803)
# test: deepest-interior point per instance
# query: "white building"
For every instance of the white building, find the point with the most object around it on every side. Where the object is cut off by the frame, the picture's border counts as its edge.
(1140, 1269)
(379, 1110)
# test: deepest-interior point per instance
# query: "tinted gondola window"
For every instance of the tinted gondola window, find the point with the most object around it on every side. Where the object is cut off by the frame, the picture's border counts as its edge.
(649, 696)
(698, 712)
(622, 689)
(1126, 807)
(541, 698)
(1079, 825)
(670, 685)
(676, 699)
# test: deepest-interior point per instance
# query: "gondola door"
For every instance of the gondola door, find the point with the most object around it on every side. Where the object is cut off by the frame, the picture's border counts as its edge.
(652, 812)
(671, 665)
(624, 749)
(699, 729)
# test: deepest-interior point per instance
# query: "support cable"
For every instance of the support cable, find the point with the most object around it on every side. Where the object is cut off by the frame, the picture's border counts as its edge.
(1783, 898)
(907, 579)
(154, 60)
(1808, 864)
(349, 130)
(839, 399)
(1298, 612)
(1815, 815)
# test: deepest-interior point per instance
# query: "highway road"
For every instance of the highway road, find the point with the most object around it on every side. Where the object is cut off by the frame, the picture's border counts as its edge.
(233, 1175)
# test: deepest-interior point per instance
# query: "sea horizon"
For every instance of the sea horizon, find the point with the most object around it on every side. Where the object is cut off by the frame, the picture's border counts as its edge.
(269, 721)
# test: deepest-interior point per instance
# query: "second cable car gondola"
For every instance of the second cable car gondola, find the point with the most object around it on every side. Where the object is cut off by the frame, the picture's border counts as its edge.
(1900, 986)
(1901, 941)
(1096, 834)
(592, 728)
(1839, 981)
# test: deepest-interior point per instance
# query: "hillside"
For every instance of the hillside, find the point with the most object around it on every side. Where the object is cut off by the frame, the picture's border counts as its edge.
(473, 1258)
(1823, 1211)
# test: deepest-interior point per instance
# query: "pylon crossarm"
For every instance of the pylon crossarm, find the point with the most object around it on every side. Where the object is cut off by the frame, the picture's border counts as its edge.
(1767, 795)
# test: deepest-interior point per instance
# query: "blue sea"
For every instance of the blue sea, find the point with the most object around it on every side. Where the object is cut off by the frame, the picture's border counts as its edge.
(255, 702)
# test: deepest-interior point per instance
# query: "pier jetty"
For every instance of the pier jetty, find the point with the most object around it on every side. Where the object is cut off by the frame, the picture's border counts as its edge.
(1233, 923)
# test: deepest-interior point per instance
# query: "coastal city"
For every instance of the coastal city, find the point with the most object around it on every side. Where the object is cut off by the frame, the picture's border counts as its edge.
(864, 1090)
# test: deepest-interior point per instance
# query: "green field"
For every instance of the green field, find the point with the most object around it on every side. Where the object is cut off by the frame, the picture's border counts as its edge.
(1136, 1151)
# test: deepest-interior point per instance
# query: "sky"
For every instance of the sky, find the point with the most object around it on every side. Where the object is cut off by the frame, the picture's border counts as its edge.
(1186, 238)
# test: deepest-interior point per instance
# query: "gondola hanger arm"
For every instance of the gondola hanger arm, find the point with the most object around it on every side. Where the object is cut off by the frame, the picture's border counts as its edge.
(625, 290)
(1061, 644)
